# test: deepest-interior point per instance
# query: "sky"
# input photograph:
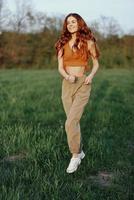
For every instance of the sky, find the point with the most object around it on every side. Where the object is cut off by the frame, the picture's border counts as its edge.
(121, 10)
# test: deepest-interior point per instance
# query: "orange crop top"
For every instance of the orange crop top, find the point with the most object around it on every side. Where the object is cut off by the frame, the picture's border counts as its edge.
(71, 58)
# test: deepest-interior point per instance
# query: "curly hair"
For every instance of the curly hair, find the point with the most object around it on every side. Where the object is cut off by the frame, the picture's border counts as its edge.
(83, 34)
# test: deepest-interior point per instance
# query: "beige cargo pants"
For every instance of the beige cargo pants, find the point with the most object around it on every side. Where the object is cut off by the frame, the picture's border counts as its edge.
(74, 97)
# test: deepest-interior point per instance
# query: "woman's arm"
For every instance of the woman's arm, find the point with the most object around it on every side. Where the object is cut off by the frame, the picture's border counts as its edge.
(91, 48)
(60, 66)
(61, 70)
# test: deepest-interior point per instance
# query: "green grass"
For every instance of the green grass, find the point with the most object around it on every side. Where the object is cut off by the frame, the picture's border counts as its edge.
(34, 153)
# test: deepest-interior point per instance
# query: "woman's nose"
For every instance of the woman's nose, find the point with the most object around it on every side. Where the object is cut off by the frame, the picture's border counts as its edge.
(70, 25)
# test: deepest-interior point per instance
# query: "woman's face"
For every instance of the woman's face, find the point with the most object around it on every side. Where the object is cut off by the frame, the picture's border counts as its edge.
(72, 24)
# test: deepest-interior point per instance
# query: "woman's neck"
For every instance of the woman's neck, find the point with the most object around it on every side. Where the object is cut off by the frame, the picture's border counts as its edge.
(73, 36)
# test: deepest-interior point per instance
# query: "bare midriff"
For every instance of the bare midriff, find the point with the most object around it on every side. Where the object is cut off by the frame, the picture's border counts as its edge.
(75, 70)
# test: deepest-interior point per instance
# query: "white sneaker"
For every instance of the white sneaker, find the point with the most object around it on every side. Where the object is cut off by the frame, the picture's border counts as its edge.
(81, 155)
(73, 165)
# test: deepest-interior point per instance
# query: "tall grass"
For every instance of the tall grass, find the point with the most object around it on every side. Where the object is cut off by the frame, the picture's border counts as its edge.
(34, 153)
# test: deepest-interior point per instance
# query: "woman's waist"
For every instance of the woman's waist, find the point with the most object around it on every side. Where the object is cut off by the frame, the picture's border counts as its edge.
(75, 62)
(75, 70)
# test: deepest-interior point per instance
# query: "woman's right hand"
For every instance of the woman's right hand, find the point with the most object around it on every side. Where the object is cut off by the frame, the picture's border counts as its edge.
(72, 78)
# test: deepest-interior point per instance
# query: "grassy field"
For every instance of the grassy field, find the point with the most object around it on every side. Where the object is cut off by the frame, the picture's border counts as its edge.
(34, 153)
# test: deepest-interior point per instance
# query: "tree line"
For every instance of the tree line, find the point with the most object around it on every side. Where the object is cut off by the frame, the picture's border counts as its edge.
(27, 39)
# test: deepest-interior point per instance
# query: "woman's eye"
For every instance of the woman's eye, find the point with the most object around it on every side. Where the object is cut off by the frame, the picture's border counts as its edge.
(72, 22)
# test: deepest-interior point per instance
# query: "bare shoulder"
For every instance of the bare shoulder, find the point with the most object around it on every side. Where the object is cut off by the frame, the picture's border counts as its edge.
(60, 53)
(90, 43)
(93, 49)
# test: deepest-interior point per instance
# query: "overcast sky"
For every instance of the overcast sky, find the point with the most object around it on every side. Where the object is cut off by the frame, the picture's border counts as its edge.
(120, 10)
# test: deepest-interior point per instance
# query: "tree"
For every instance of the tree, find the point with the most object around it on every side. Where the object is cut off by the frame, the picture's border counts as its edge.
(4, 15)
(19, 18)
(108, 26)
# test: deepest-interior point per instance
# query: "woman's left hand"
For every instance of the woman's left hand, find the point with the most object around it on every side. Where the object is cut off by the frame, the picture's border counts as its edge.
(88, 79)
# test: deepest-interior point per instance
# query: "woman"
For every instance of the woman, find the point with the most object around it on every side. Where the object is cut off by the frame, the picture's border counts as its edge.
(74, 48)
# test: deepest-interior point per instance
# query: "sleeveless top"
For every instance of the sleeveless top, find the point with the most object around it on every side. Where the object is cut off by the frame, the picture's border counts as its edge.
(71, 58)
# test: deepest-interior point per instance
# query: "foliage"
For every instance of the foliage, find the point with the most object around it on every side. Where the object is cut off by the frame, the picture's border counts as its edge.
(36, 50)
(27, 39)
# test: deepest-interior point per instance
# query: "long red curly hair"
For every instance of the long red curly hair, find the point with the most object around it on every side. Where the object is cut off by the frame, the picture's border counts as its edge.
(83, 34)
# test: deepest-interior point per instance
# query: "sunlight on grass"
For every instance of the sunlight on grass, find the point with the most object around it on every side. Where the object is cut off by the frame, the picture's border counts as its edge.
(34, 153)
